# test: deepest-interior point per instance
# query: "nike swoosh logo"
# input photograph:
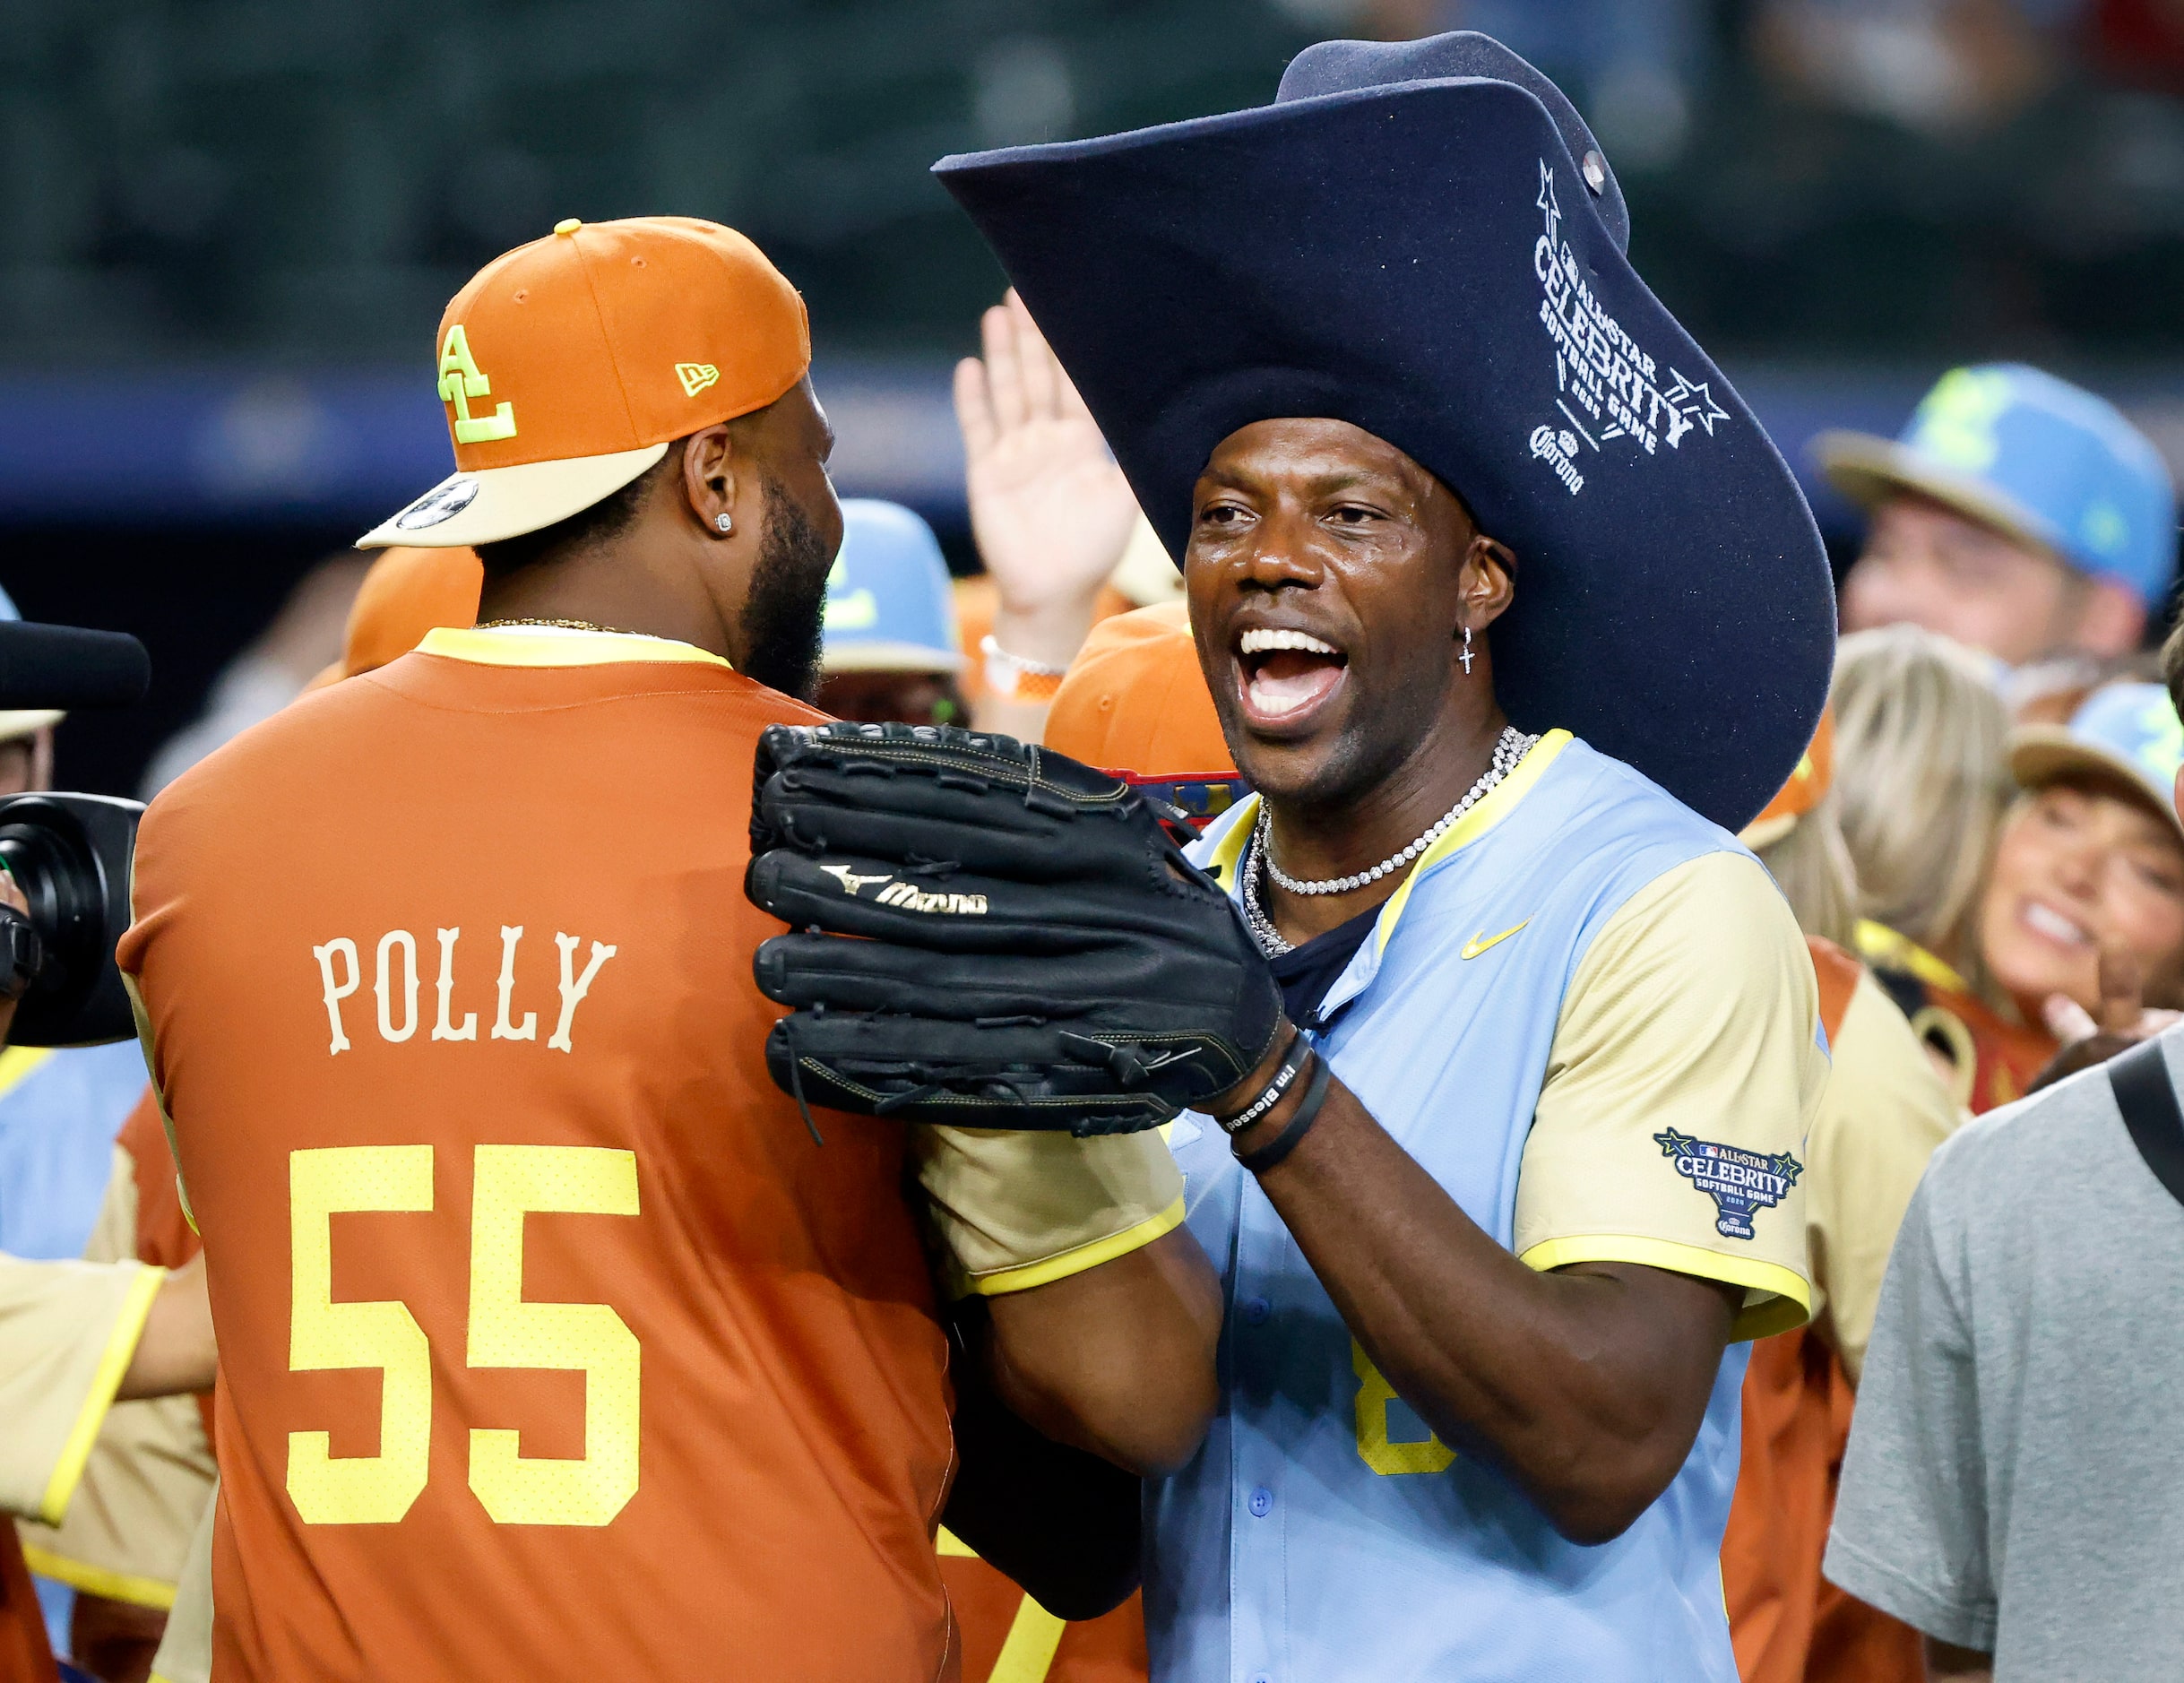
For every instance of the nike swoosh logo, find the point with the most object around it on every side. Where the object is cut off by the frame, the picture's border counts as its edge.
(1478, 942)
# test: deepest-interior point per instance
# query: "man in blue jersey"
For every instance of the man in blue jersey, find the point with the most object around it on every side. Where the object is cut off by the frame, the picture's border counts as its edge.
(1377, 366)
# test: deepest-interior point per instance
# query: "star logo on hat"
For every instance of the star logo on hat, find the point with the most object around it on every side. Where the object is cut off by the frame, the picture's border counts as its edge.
(695, 377)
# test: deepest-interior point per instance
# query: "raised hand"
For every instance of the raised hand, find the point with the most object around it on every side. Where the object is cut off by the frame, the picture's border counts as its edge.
(2122, 1022)
(1049, 509)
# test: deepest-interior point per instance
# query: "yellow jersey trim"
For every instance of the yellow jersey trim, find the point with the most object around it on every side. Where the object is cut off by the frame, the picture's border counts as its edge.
(1027, 1653)
(19, 1061)
(116, 1586)
(1474, 824)
(1049, 1269)
(948, 1546)
(1784, 1299)
(1887, 949)
(106, 1379)
(1222, 866)
(552, 646)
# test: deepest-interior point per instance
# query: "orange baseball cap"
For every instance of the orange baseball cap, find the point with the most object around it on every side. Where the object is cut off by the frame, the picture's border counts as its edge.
(1135, 701)
(1815, 774)
(569, 365)
(408, 592)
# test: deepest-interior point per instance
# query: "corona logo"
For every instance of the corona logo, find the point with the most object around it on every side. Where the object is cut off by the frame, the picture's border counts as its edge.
(459, 382)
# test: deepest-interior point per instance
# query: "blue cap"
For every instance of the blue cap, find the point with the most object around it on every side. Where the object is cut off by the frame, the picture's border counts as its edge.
(2127, 731)
(2035, 456)
(890, 607)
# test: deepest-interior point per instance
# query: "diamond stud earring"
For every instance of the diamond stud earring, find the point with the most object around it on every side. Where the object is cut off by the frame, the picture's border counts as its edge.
(724, 522)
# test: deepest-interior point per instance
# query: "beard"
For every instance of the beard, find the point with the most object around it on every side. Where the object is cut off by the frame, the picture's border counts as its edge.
(782, 614)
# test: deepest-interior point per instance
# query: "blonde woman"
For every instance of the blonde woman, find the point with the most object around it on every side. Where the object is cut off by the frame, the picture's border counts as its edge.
(1922, 776)
(1883, 1111)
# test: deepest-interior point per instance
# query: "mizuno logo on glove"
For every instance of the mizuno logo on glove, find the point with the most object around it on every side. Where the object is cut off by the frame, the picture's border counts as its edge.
(850, 881)
(908, 896)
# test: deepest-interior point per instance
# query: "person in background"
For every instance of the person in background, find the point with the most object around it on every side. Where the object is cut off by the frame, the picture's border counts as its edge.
(60, 1108)
(2012, 1484)
(2085, 902)
(1884, 1110)
(270, 673)
(1135, 700)
(74, 1338)
(2017, 513)
(1919, 744)
(406, 592)
(890, 649)
(1054, 520)
(124, 1543)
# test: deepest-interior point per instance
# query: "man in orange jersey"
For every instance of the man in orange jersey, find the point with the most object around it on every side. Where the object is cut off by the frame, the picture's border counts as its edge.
(531, 1286)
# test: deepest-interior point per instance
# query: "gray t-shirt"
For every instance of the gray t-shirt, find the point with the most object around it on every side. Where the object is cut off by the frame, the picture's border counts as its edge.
(2015, 1480)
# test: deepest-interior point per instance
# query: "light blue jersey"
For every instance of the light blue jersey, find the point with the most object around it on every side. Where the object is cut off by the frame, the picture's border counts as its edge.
(59, 1112)
(1322, 1532)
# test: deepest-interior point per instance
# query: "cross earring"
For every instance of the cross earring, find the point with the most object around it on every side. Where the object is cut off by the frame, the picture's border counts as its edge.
(724, 522)
(1466, 656)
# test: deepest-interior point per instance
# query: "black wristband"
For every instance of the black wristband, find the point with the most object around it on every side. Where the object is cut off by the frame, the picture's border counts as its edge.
(1307, 1112)
(1293, 1060)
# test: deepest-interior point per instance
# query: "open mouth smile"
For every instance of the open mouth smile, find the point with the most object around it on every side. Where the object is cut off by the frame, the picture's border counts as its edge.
(2049, 924)
(1285, 676)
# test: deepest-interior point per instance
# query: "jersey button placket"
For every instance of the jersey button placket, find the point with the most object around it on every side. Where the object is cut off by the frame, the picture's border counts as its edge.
(1258, 1546)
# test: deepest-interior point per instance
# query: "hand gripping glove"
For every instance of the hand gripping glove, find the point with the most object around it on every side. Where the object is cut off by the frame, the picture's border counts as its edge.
(1035, 953)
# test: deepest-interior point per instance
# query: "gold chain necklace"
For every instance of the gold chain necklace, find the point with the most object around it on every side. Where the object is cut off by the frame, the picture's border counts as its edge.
(556, 625)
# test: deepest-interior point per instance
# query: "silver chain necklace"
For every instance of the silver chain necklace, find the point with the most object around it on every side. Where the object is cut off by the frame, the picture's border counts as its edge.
(1262, 926)
(1510, 748)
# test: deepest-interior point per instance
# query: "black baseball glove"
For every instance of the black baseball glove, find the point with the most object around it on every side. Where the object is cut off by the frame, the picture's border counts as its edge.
(1036, 952)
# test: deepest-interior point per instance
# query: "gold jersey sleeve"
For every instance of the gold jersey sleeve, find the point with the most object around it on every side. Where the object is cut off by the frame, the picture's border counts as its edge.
(145, 1481)
(1687, 1037)
(1018, 1210)
(67, 1330)
(1886, 1110)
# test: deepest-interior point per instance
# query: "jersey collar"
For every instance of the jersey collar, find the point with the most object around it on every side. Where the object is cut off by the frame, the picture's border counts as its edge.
(1226, 860)
(553, 645)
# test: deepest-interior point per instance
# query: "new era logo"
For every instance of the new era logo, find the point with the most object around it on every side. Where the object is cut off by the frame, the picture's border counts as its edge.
(695, 377)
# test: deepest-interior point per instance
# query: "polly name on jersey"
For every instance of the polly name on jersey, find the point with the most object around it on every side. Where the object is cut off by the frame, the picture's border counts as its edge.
(340, 971)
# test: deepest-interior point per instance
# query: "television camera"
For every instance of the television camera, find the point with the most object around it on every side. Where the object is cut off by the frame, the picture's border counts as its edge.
(69, 854)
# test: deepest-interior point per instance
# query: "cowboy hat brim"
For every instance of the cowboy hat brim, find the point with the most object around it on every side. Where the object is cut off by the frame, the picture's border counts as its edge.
(1422, 261)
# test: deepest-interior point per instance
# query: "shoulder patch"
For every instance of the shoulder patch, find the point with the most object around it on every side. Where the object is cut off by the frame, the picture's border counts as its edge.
(1740, 1182)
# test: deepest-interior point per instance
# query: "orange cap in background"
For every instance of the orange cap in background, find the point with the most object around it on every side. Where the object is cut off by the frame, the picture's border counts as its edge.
(1815, 773)
(568, 366)
(408, 592)
(1135, 701)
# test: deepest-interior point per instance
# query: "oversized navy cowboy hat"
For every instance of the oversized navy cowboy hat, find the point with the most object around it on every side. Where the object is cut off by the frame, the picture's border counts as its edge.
(1424, 240)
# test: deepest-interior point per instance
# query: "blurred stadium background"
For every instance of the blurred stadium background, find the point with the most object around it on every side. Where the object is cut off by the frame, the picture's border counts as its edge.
(229, 230)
